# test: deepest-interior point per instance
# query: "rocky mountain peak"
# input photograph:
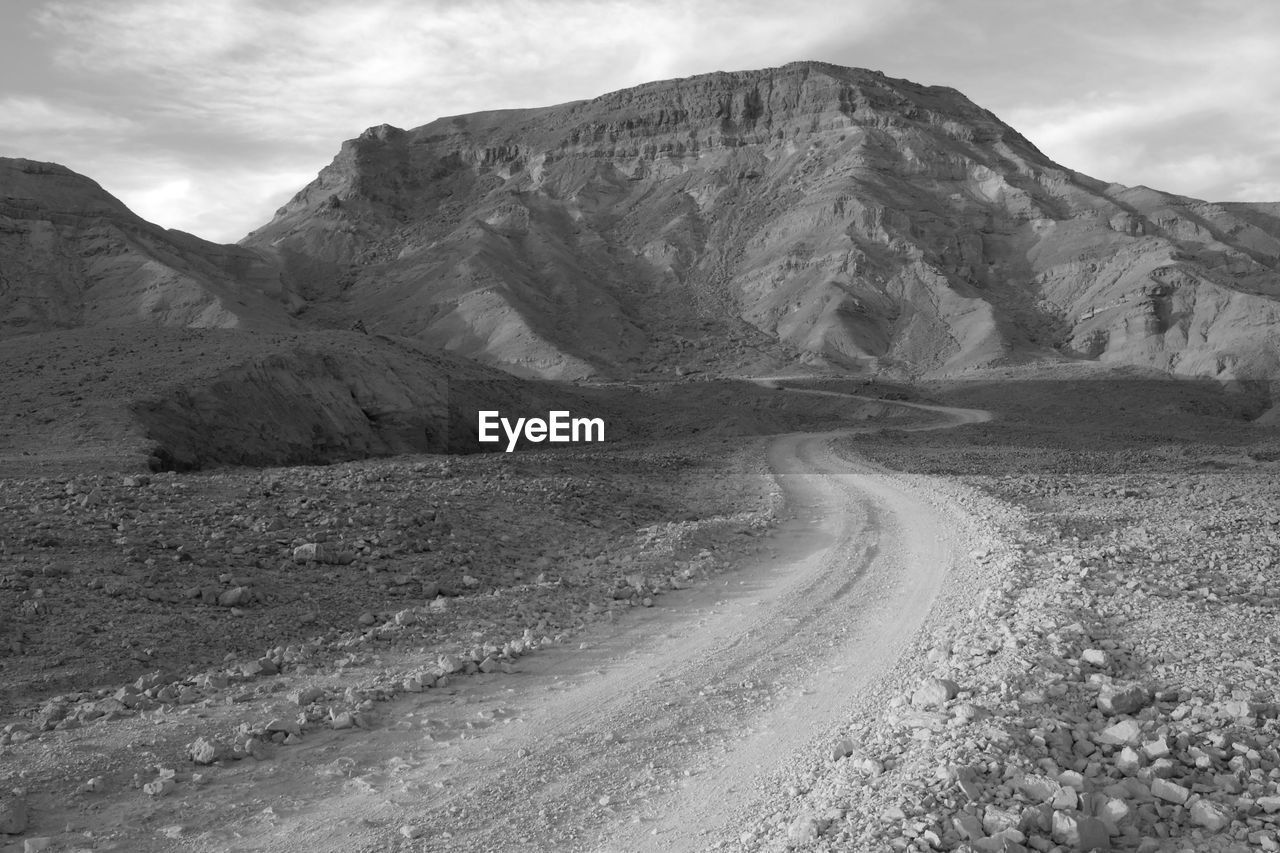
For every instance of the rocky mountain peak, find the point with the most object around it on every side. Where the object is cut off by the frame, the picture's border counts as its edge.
(780, 103)
(846, 216)
(727, 222)
(669, 119)
(29, 186)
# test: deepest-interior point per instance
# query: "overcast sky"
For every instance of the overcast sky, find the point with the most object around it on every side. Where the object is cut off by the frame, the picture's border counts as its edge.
(208, 115)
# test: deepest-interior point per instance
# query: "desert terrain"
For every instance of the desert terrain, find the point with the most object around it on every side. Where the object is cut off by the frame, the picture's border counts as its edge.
(1006, 625)
(938, 506)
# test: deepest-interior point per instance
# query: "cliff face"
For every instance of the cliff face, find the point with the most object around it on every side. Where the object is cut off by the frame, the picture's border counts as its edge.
(739, 221)
(73, 255)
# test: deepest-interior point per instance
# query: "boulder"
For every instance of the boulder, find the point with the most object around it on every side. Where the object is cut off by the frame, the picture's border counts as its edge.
(1122, 698)
(934, 693)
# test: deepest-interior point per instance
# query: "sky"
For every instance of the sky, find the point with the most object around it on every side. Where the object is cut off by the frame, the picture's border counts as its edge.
(206, 116)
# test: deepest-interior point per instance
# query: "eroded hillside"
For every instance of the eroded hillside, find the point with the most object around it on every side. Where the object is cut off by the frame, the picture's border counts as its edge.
(73, 255)
(738, 220)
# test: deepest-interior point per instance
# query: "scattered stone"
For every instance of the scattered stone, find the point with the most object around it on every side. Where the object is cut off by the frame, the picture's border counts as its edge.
(1113, 810)
(842, 749)
(206, 751)
(1157, 748)
(1169, 791)
(1214, 817)
(803, 830)
(935, 693)
(1079, 831)
(236, 597)
(285, 726)
(1128, 732)
(323, 552)
(160, 788)
(1096, 658)
(1118, 698)
(1128, 762)
(1039, 789)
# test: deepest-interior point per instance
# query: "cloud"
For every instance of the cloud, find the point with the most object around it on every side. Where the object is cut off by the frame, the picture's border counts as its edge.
(224, 84)
(1202, 133)
(203, 202)
(238, 96)
(28, 114)
(1184, 98)
(279, 67)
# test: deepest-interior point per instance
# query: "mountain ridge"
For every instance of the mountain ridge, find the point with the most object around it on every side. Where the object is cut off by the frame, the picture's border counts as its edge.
(726, 223)
(699, 193)
(73, 254)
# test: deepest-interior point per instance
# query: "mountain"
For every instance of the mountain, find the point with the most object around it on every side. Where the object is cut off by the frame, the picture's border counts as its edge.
(741, 221)
(736, 223)
(73, 255)
(222, 375)
(128, 346)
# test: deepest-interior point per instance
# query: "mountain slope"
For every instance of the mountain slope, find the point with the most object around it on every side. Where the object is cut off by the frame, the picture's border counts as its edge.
(73, 255)
(739, 220)
(108, 398)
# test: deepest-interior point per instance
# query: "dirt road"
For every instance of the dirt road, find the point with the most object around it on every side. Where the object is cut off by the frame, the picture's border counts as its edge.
(665, 731)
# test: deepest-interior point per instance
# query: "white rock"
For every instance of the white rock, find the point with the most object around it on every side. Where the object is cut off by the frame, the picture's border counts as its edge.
(803, 830)
(1124, 732)
(1168, 791)
(1096, 657)
(935, 693)
(1214, 817)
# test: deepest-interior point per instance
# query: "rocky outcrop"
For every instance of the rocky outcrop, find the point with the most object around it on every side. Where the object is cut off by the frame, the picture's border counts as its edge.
(832, 213)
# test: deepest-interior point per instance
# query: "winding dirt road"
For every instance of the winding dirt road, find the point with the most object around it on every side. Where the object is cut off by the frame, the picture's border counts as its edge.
(665, 731)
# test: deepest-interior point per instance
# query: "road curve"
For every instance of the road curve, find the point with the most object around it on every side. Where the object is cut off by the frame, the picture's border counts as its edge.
(664, 730)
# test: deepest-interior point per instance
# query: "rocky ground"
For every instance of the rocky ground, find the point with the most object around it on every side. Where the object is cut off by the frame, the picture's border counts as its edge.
(1105, 675)
(136, 599)
(110, 577)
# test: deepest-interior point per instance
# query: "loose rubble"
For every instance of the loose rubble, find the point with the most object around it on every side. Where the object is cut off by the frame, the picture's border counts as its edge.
(1116, 678)
(1101, 676)
(441, 552)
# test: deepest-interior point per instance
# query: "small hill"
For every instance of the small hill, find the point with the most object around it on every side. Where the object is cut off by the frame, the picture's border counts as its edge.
(110, 399)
